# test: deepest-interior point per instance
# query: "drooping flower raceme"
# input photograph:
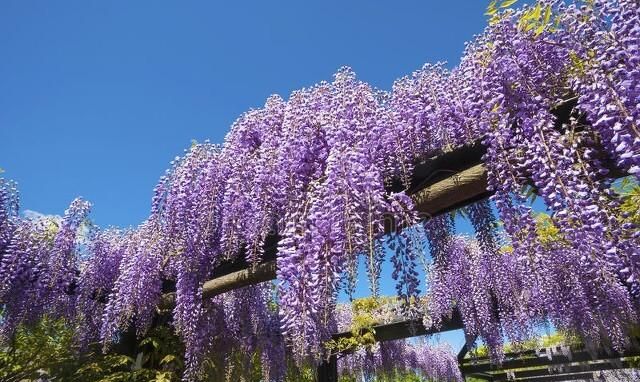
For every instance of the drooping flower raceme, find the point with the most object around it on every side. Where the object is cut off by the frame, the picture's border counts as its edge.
(551, 90)
(432, 362)
(39, 268)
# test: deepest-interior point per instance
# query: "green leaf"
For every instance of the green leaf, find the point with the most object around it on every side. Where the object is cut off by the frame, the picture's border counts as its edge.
(547, 15)
(168, 358)
(539, 30)
(507, 3)
(624, 183)
(150, 341)
(119, 360)
(530, 193)
(537, 11)
(529, 27)
(163, 376)
(491, 9)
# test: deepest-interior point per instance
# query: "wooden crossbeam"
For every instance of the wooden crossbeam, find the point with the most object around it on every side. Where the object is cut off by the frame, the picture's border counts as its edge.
(238, 279)
(567, 370)
(470, 367)
(588, 376)
(411, 328)
(459, 189)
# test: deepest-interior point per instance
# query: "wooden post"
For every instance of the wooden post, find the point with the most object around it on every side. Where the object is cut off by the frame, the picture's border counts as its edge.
(468, 343)
(328, 370)
(128, 342)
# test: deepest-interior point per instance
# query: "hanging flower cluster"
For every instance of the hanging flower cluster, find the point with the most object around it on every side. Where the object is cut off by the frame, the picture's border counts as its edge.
(9, 202)
(502, 296)
(316, 171)
(38, 268)
(393, 358)
(367, 360)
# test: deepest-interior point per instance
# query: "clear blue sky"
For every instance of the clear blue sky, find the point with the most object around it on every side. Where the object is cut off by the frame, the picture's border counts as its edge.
(96, 97)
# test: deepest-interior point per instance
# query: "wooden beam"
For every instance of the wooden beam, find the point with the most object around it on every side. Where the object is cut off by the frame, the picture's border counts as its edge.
(563, 377)
(465, 349)
(250, 276)
(405, 329)
(450, 180)
(567, 370)
(254, 275)
(461, 188)
(483, 376)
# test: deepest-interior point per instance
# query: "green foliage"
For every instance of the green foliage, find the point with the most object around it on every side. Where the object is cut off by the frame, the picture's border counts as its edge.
(493, 9)
(548, 232)
(163, 350)
(295, 373)
(629, 189)
(578, 67)
(362, 327)
(538, 20)
(233, 367)
(553, 339)
(629, 211)
(362, 331)
(111, 368)
(529, 192)
(396, 376)
(48, 349)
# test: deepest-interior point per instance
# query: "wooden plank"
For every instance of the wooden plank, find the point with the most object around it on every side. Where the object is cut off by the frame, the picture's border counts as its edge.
(449, 180)
(387, 332)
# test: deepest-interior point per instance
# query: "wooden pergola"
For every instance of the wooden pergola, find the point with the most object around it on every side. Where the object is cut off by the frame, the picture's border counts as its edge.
(447, 181)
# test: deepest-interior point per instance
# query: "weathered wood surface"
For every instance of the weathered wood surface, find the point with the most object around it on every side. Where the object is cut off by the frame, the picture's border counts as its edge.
(460, 188)
(238, 279)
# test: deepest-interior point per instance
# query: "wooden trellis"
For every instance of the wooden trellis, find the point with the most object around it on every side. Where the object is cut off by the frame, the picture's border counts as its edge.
(550, 364)
(445, 182)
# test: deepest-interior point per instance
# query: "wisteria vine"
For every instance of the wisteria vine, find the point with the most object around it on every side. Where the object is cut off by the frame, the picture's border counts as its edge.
(315, 171)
